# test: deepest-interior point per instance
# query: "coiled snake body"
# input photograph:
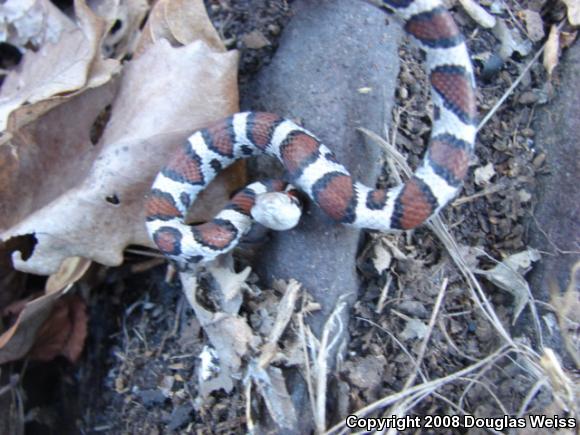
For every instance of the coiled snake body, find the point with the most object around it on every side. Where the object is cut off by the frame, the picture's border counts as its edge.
(312, 167)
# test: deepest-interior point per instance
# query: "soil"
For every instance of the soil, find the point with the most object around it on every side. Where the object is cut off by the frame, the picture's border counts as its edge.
(138, 374)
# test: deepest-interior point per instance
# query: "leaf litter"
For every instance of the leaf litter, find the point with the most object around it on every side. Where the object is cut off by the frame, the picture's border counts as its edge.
(242, 339)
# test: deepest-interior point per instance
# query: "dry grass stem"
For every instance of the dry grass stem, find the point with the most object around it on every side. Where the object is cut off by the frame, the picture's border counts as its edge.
(332, 333)
(514, 85)
(545, 370)
(426, 387)
(283, 317)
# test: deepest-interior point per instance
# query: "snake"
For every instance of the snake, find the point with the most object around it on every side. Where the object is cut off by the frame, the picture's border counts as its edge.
(313, 168)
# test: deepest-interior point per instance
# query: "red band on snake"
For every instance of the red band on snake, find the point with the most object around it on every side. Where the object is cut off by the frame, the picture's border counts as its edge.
(313, 168)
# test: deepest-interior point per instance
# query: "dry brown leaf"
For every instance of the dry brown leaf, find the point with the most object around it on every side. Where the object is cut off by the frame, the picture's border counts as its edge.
(509, 276)
(510, 40)
(55, 73)
(479, 14)
(51, 324)
(71, 270)
(187, 21)
(255, 40)
(285, 309)
(568, 38)
(64, 332)
(25, 22)
(230, 284)
(126, 16)
(573, 11)
(534, 24)
(49, 156)
(102, 69)
(155, 109)
(382, 257)
(230, 336)
(552, 50)
(46, 327)
(16, 341)
(271, 385)
(180, 22)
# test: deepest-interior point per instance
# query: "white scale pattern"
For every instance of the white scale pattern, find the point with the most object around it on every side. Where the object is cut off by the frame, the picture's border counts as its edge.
(381, 219)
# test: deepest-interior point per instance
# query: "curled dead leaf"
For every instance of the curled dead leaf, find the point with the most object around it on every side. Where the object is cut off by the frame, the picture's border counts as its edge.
(32, 22)
(230, 284)
(255, 40)
(534, 24)
(479, 14)
(509, 276)
(57, 72)
(180, 22)
(552, 50)
(573, 11)
(510, 40)
(90, 200)
(271, 385)
(71, 270)
(44, 328)
(64, 332)
(230, 336)
(382, 257)
(50, 325)
(568, 38)
(124, 18)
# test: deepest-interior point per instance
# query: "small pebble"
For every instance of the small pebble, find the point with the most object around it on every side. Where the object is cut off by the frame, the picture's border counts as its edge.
(528, 132)
(539, 160)
(151, 397)
(491, 67)
(528, 97)
(274, 29)
(406, 77)
(403, 93)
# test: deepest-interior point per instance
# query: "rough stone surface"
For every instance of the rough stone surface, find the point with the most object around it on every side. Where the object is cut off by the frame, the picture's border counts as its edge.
(334, 71)
(558, 210)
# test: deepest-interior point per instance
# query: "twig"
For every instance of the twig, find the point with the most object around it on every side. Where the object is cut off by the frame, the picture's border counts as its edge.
(175, 328)
(311, 393)
(550, 241)
(487, 191)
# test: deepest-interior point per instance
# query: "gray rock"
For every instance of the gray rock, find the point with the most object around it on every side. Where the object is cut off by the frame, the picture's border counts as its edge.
(328, 52)
(151, 397)
(334, 71)
(180, 416)
(558, 210)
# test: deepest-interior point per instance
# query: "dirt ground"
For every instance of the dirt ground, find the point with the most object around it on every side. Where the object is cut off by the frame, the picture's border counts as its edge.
(139, 371)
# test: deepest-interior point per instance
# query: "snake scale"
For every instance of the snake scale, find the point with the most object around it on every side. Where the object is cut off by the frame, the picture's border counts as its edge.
(313, 168)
